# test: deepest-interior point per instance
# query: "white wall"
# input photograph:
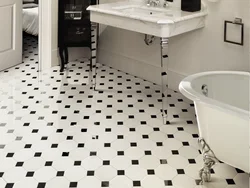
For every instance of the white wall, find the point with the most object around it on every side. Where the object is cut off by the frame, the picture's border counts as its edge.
(201, 50)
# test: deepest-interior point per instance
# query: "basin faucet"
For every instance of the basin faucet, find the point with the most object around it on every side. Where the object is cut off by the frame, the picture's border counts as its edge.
(165, 4)
(153, 3)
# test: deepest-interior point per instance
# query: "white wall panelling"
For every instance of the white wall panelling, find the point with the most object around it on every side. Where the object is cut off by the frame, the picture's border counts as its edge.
(201, 50)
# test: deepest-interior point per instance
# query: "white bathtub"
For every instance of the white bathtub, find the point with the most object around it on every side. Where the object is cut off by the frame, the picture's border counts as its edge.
(223, 115)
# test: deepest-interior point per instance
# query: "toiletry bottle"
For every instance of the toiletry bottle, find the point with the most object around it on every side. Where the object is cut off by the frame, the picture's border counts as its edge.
(191, 5)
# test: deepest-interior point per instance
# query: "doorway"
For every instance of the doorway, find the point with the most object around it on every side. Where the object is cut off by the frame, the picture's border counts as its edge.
(19, 33)
(30, 16)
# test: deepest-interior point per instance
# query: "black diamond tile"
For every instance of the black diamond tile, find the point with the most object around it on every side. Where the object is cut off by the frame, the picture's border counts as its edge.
(38, 154)
(212, 171)
(120, 153)
(93, 153)
(132, 129)
(148, 153)
(175, 152)
(120, 137)
(77, 163)
(69, 137)
(65, 154)
(145, 136)
(180, 171)
(90, 173)
(106, 162)
(10, 155)
(170, 136)
(84, 130)
(120, 172)
(106, 145)
(41, 185)
(60, 173)
(191, 161)
(156, 129)
(163, 161)
(195, 135)
(168, 183)
(54, 145)
(151, 172)
(180, 128)
(135, 162)
(239, 171)
(73, 184)
(105, 184)
(230, 182)
(19, 164)
(10, 185)
(48, 163)
(185, 143)
(30, 174)
(80, 145)
(133, 144)
(136, 183)
(159, 143)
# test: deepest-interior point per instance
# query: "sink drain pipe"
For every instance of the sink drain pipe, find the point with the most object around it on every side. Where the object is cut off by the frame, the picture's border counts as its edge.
(149, 39)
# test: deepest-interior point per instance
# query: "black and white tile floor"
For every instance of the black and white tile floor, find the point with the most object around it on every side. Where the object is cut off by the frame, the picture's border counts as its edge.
(57, 133)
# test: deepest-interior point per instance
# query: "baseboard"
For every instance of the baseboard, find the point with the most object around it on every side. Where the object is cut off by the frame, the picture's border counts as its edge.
(134, 67)
(129, 65)
(55, 58)
(74, 53)
(175, 79)
(137, 68)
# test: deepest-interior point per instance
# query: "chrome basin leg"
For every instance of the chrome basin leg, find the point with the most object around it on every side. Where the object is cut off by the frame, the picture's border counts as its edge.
(164, 77)
(209, 160)
(93, 61)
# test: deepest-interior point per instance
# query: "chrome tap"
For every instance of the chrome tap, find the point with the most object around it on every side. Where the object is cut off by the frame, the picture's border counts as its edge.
(153, 3)
(165, 4)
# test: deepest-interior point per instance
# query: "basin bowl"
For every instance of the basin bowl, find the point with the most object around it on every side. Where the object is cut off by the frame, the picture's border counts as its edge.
(149, 11)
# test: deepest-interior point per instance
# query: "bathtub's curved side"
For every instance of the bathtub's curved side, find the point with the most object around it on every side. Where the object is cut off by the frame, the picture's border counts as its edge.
(226, 134)
(223, 117)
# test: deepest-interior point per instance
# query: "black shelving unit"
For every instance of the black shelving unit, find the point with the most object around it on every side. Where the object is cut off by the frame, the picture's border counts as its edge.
(74, 26)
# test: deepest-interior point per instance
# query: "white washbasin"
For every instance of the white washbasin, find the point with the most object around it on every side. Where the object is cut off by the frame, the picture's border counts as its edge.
(157, 21)
(136, 10)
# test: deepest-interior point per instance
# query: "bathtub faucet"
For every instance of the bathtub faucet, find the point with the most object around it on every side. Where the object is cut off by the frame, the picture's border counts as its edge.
(204, 89)
(153, 3)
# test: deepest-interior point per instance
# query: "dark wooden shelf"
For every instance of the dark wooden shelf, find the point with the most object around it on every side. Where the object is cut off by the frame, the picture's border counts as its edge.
(74, 26)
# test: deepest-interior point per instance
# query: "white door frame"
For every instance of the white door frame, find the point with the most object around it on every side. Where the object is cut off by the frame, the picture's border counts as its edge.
(45, 34)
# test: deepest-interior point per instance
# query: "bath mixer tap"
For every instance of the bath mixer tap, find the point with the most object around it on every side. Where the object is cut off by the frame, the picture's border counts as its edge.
(153, 3)
(165, 4)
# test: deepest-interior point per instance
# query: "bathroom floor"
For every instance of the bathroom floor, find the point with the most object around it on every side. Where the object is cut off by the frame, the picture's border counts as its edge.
(57, 133)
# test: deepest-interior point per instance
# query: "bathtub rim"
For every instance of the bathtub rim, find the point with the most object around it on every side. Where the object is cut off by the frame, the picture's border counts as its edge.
(186, 89)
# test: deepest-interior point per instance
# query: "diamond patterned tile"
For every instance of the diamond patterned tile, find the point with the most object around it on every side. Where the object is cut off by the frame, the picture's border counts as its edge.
(57, 132)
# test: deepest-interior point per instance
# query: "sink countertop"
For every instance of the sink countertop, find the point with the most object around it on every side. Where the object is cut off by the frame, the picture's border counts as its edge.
(171, 15)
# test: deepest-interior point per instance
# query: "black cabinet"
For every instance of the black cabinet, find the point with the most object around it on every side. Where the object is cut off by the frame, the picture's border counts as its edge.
(74, 26)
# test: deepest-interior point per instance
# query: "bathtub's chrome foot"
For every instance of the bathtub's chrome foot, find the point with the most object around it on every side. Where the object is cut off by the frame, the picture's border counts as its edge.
(165, 121)
(205, 175)
(209, 160)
